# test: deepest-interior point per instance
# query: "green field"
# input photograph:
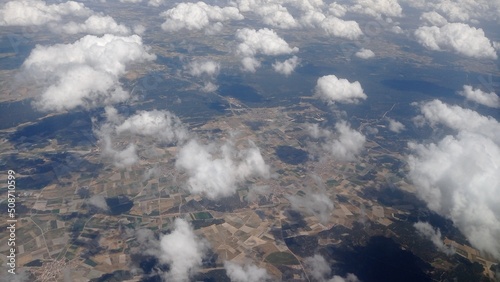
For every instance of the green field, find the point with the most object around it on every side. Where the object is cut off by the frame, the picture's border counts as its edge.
(279, 258)
(202, 215)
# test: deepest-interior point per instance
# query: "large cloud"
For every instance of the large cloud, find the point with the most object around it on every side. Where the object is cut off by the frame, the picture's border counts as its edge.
(245, 273)
(216, 171)
(477, 95)
(85, 73)
(183, 251)
(263, 41)
(332, 89)
(197, 16)
(341, 28)
(458, 37)
(345, 145)
(95, 24)
(436, 112)
(458, 178)
(35, 12)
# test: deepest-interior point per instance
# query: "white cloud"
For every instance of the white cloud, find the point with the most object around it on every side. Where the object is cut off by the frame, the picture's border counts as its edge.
(182, 250)
(163, 125)
(216, 171)
(436, 112)
(332, 89)
(458, 178)
(263, 41)
(207, 67)
(245, 273)
(35, 12)
(426, 230)
(395, 126)
(365, 53)
(337, 10)
(155, 3)
(98, 201)
(378, 8)
(276, 15)
(458, 37)
(85, 73)
(317, 204)
(130, 1)
(320, 270)
(341, 28)
(343, 145)
(433, 18)
(477, 95)
(287, 67)
(197, 16)
(95, 24)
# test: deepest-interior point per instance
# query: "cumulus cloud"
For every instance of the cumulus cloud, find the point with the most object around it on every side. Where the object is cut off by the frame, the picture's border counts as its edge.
(316, 204)
(288, 66)
(436, 112)
(197, 16)
(163, 125)
(477, 95)
(332, 89)
(85, 73)
(216, 171)
(320, 270)
(345, 144)
(199, 68)
(182, 250)
(458, 178)
(395, 126)
(35, 12)
(427, 231)
(98, 201)
(263, 41)
(433, 18)
(378, 8)
(95, 24)
(365, 53)
(245, 273)
(275, 15)
(457, 37)
(341, 28)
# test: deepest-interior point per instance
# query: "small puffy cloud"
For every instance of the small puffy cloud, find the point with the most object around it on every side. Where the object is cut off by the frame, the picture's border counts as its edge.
(130, 1)
(199, 68)
(337, 10)
(343, 145)
(320, 270)
(155, 3)
(378, 8)
(341, 28)
(275, 15)
(287, 67)
(458, 178)
(317, 204)
(245, 273)
(332, 89)
(436, 112)
(98, 201)
(433, 18)
(182, 250)
(197, 16)
(263, 41)
(427, 231)
(477, 95)
(365, 53)
(162, 125)
(216, 171)
(395, 126)
(85, 73)
(35, 12)
(95, 24)
(457, 37)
